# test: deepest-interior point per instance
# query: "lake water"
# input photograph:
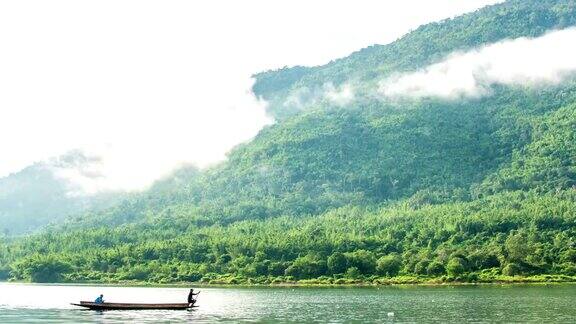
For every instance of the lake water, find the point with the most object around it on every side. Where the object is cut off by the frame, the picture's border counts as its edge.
(31, 303)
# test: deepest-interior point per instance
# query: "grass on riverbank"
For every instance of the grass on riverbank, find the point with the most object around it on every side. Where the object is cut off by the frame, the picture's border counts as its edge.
(472, 279)
(400, 280)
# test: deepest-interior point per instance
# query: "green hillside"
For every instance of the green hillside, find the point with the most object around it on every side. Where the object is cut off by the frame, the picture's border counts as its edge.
(369, 191)
(35, 196)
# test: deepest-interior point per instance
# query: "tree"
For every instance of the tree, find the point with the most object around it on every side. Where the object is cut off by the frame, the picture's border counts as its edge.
(517, 247)
(352, 273)
(139, 272)
(389, 265)
(456, 267)
(363, 260)
(483, 260)
(40, 268)
(568, 268)
(512, 269)
(435, 268)
(569, 256)
(277, 268)
(337, 263)
(224, 258)
(309, 266)
(421, 266)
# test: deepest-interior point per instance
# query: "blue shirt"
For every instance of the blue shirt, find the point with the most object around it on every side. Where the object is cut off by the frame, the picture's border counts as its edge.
(99, 300)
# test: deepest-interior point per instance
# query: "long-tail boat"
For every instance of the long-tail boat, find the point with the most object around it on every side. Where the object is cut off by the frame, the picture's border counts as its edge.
(133, 306)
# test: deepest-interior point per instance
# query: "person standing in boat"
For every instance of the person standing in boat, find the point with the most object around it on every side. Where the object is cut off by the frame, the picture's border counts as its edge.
(100, 299)
(191, 295)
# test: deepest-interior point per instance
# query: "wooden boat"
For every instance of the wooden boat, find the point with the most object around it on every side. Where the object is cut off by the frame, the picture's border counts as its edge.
(132, 306)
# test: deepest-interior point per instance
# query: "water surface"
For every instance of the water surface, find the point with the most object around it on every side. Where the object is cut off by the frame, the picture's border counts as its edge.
(479, 304)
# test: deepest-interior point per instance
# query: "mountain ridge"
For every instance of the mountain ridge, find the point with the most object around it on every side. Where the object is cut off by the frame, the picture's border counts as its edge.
(507, 20)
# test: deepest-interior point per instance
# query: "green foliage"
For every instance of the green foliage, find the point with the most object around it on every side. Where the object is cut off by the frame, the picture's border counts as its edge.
(512, 269)
(435, 269)
(516, 247)
(309, 266)
(40, 268)
(483, 260)
(364, 261)
(547, 163)
(569, 256)
(389, 265)
(421, 267)
(353, 273)
(568, 268)
(388, 241)
(337, 263)
(456, 267)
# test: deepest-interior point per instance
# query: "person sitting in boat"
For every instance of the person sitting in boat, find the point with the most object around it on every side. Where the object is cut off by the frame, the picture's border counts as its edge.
(100, 299)
(191, 295)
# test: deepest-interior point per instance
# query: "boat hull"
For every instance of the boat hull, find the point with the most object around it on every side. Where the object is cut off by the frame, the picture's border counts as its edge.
(132, 306)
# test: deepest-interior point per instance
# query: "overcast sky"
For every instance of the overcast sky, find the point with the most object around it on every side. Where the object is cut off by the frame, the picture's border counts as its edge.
(149, 85)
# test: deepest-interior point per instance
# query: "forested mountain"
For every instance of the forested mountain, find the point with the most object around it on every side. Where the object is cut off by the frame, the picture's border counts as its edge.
(37, 196)
(356, 189)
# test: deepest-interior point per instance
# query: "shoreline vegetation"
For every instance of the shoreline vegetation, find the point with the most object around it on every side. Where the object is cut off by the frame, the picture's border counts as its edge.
(497, 239)
(330, 282)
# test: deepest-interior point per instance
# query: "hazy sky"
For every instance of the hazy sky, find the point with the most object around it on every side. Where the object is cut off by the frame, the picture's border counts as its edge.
(148, 85)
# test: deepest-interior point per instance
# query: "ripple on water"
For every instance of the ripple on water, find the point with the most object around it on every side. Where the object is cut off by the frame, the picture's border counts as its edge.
(494, 304)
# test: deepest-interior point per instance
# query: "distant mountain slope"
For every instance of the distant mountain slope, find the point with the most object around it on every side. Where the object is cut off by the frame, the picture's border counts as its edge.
(366, 155)
(27, 196)
(35, 197)
(547, 163)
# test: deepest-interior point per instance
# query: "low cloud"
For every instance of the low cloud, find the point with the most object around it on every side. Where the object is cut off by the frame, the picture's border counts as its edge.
(306, 97)
(156, 145)
(341, 95)
(113, 149)
(532, 62)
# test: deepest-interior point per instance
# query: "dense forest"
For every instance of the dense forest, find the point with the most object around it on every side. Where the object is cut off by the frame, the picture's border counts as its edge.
(369, 191)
